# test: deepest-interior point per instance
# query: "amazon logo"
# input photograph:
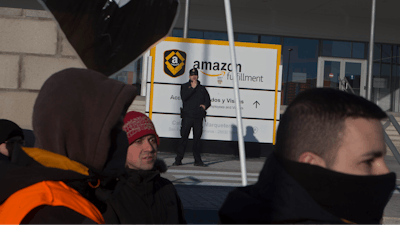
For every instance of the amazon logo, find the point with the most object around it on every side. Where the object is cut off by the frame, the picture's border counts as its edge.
(215, 69)
(174, 62)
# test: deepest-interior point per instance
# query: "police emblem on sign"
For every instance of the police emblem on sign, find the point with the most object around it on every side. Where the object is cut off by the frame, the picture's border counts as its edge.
(174, 62)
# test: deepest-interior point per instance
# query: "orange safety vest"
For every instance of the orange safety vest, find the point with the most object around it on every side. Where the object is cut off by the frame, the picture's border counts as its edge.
(52, 193)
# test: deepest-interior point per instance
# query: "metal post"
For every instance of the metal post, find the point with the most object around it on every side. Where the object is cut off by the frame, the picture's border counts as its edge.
(143, 91)
(186, 25)
(371, 50)
(391, 146)
(395, 123)
(236, 91)
(287, 76)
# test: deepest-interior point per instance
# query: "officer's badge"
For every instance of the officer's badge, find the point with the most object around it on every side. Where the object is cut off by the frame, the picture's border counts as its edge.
(174, 62)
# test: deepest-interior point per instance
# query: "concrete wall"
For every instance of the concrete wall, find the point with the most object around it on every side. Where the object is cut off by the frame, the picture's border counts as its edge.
(31, 49)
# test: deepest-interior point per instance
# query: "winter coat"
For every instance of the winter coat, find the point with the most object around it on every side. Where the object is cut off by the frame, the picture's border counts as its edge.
(275, 198)
(37, 174)
(77, 120)
(144, 197)
(4, 157)
(192, 98)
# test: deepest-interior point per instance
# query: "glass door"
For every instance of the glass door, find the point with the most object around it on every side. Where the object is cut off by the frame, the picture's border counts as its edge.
(331, 78)
(343, 74)
(352, 72)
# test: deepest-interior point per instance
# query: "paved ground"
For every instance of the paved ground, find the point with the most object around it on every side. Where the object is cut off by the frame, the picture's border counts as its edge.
(204, 189)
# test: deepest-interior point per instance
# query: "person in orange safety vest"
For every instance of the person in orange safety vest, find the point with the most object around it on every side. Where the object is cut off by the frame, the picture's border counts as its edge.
(80, 148)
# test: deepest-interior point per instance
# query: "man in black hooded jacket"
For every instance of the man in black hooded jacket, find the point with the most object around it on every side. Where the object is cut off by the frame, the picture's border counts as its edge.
(80, 148)
(328, 166)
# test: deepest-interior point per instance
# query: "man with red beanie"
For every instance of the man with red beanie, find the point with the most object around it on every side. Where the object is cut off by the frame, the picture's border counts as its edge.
(142, 195)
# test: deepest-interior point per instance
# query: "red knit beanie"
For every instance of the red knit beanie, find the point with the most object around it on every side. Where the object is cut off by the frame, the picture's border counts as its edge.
(137, 125)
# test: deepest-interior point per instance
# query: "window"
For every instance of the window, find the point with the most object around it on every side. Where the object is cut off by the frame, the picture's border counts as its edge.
(215, 35)
(358, 50)
(396, 54)
(196, 34)
(177, 33)
(270, 40)
(247, 38)
(336, 49)
(377, 52)
(300, 59)
(386, 53)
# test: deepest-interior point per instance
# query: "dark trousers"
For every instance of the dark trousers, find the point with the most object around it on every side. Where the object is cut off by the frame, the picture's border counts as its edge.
(187, 124)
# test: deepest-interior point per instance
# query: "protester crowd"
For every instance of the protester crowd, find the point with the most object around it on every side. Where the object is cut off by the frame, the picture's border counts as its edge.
(94, 162)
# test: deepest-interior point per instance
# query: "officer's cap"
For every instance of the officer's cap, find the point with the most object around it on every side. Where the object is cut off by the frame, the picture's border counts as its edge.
(193, 71)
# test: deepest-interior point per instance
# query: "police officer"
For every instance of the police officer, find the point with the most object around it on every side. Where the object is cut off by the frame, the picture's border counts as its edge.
(196, 101)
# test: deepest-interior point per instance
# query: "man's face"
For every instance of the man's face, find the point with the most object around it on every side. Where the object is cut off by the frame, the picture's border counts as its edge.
(3, 149)
(142, 153)
(362, 150)
(193, 77)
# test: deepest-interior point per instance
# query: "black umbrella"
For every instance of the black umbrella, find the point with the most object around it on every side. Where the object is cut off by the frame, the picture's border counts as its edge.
(110, 34)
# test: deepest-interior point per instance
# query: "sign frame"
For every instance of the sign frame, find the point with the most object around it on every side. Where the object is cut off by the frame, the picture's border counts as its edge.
(223, 43)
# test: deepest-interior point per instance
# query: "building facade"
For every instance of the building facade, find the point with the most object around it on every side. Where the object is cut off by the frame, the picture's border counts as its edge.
(323, 42)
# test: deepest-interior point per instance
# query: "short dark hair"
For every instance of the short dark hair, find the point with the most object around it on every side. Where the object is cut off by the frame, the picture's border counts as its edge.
(313, 121)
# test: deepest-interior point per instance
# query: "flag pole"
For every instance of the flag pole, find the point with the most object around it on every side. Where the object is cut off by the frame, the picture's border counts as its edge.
(236, 91)
(371, 50)
(186, 24)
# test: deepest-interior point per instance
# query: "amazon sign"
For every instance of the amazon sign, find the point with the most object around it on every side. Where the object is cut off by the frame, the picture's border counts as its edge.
(258, 73)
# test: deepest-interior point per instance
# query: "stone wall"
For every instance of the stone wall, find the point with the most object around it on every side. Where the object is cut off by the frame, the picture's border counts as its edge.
(32, 48)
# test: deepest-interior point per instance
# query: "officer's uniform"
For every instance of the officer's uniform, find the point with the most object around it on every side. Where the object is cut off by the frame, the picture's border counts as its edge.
(192, 116)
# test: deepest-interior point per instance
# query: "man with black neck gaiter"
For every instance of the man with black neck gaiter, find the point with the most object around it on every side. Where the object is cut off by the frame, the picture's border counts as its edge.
(328, 166)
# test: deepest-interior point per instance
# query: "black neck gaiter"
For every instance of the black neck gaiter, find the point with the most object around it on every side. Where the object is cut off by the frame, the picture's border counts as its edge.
(357, 199)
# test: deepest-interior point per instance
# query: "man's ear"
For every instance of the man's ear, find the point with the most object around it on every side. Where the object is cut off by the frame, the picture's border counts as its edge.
(312, 158)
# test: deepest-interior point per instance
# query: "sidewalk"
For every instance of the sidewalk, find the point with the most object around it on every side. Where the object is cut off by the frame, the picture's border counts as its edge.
(201, 200)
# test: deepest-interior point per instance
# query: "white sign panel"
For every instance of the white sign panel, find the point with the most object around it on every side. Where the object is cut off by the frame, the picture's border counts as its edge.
(223, 129)
(256, 66)
(258, 104)
(259, 72)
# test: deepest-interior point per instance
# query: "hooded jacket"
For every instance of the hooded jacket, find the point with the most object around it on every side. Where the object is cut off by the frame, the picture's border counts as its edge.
(145, 197)
(275, 198)
(77, 114)
(192, 98)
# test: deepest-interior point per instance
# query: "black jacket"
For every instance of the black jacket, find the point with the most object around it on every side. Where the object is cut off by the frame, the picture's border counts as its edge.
(192, 98)
(275, 198)
(145, 197)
